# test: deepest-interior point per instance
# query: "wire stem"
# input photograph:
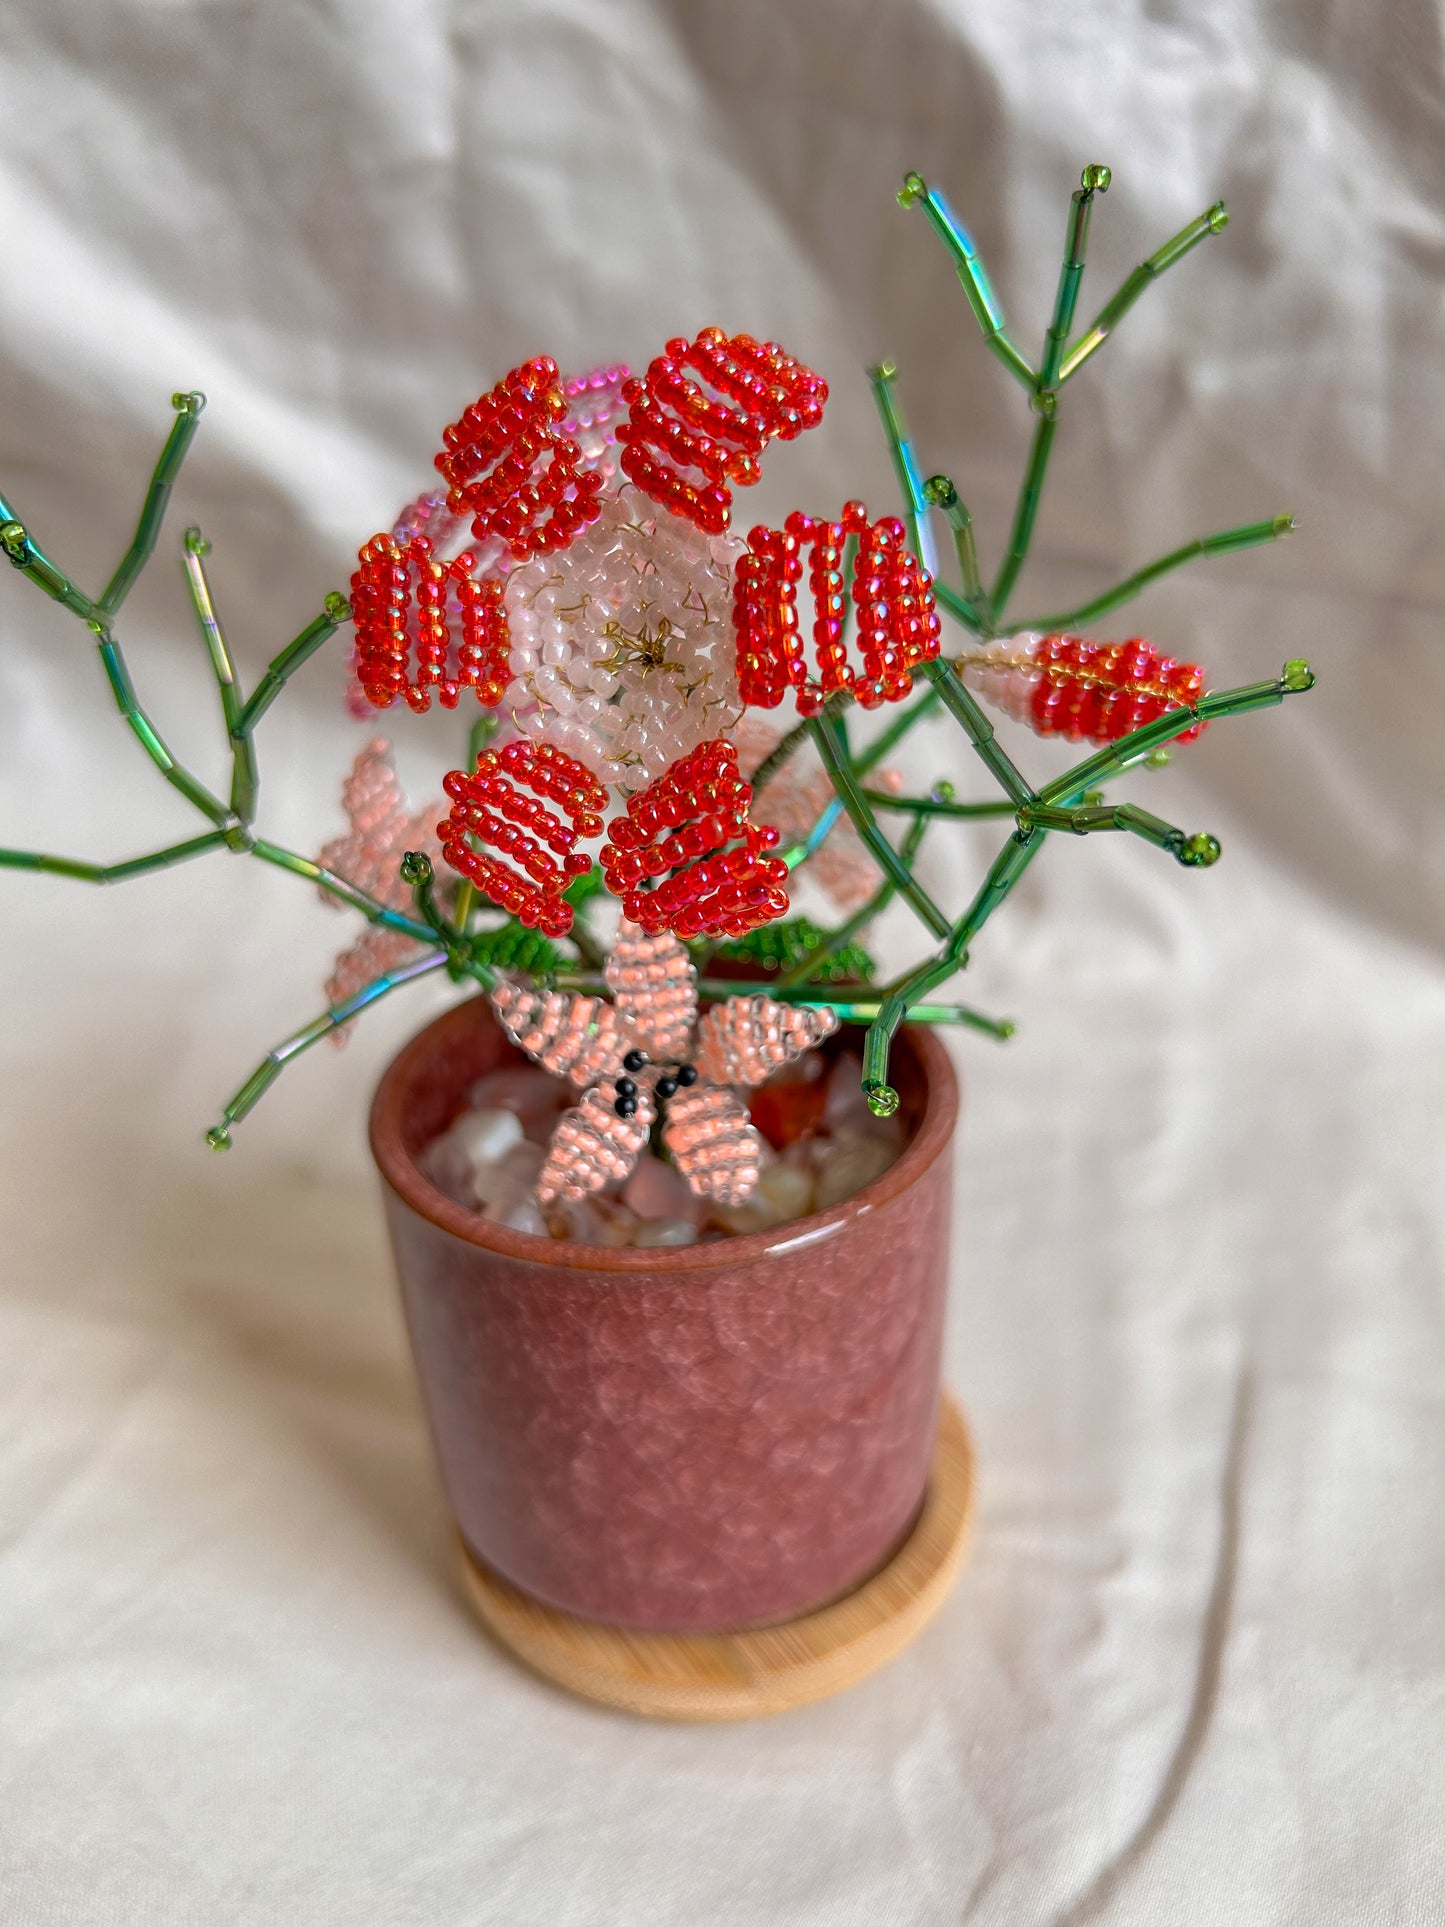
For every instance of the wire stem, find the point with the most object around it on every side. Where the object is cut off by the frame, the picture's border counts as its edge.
(64, 866)
(276, 1060)
(1026, 509)
(293, 657)
(833, 748)
(971, 272)
(337, 886)
(924, 806)
(972, 607)
(245, 777)
(150, 739)
(142, 547)
(1224, 542)
(1095, 180)
(1212, 221)
(905, 464)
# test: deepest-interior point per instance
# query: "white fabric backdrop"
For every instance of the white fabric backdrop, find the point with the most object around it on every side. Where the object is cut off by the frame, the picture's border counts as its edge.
(1194, 1671)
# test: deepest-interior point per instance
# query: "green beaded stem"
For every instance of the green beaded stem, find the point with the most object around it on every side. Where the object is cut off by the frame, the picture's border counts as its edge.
(808, 967)
(188, 409)
(905, 463)
(276, 1059)
(832, 742)
(1225, 542)
(1212, 221)
(136, 866)
(245, 777)
(973, 606)
(937, 805)
(963, 706)
(971, 272)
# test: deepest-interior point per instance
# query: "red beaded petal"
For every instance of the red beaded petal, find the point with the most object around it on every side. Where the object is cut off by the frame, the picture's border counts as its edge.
(690, 829)
(489, 808)
(691, 436)
(511, 468)
(896, 619)
(424, 625)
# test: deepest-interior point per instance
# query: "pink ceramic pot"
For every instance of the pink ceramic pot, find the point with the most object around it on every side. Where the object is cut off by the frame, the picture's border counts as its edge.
(687, 1440)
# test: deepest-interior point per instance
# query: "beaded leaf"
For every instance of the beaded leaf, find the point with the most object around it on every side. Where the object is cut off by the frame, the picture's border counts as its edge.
(381, 830)
(1084, 691)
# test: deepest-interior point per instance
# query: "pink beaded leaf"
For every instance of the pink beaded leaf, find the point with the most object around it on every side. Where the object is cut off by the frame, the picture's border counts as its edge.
(381, 830)
(643, 1054)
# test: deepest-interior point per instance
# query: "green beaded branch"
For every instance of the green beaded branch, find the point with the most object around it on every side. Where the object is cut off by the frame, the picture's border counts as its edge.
(804, 962)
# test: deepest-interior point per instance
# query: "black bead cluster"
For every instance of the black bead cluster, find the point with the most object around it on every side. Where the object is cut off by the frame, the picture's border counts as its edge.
(667, 1085)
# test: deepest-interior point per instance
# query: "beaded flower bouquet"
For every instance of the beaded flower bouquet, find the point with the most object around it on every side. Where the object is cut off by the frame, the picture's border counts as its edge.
(670, 1196)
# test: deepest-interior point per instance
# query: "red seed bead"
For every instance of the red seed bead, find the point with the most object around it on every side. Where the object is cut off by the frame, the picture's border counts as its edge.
(490, 808)
(1099, 691)
(491, 456)
(422, 625)
(713, 423)
(897, 622)
(721, 882)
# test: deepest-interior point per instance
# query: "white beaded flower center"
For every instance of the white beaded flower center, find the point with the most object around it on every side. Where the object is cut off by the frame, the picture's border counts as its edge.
(622, 643)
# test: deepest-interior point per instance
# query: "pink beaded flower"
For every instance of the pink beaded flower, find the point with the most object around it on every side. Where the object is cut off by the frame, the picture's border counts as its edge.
(369, 855)
(647, 1050)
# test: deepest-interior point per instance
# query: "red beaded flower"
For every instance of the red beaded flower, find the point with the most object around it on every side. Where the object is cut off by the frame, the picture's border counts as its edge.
(405, 605)
(489, 807)
(1085, 691)
(685, 440)
(509, 465)
(693, 822)
(892, 595)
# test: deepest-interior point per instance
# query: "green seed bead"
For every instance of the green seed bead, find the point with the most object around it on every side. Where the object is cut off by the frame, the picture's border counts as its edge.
(1200, 850)
(882, 1099)
(416, 868)
(1298, 675)
(191, 402)
(913, 188)
(15, 542)
(219, 1138)
(1096, 179)
(337, 606)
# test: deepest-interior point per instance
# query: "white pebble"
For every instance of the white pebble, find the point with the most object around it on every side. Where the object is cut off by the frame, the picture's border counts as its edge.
(653, 1232)
(485, 1137)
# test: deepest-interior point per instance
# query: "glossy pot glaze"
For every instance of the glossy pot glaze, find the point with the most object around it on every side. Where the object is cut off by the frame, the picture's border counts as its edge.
(684, 1440)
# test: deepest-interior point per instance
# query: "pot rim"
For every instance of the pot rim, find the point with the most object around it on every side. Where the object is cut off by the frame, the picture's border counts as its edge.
(400, 1172)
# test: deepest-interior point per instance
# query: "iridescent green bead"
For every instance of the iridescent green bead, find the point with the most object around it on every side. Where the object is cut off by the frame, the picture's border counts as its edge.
(336, 606)
(882, 1099)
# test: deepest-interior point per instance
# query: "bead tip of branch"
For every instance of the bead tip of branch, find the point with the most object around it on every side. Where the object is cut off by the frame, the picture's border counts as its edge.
(15, 541)
(1199, 851)
(416, 868)
(1095, 178)
(195, 542)
(1285, 524)
(1297, 676)
(939, 492)
(1218, 218)
(188, 401)
(218, 1138)
(336, 606)
(913, 189)
(882, 1099)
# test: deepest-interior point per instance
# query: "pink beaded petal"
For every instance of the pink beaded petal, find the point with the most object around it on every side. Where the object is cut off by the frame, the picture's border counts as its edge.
(581, 1038)
(654, 986)
(712, 1142)
(593, 1146)
(746, 1039)
(381, 830)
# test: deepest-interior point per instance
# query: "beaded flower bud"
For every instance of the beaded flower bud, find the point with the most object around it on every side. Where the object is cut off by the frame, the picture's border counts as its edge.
(691, 828)
(490, 808)
(511, 468)
(1085, 691)
(895, 617)
(703, 413)
(424, 626)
